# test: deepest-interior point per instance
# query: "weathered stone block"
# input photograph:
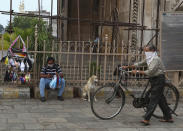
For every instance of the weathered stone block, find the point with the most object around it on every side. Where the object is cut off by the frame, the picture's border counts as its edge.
(37, 93)
(68, 92)
(10, 94)
(14, 92)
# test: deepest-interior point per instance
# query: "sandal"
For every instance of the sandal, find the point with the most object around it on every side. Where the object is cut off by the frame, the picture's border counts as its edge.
(168, 120)
(145, 122)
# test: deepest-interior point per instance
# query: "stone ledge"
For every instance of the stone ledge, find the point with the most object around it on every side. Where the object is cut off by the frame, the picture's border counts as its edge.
(68, 93)
(14, 92)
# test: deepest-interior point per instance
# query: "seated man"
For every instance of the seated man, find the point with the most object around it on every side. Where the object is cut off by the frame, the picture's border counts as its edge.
(47, 74)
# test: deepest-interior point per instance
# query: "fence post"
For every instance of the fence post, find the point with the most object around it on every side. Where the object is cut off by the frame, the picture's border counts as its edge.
(90, 48)
(44, 52)
(82, 62)
(60, 52)
(35, 54)
(68, 50)
(75, 50)
(98, 48)
(105, 57)
(52, 49)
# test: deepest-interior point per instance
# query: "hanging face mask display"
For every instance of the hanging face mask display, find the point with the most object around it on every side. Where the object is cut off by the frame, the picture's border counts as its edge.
(22, 66)
(27, 65)
(18, 63)
(12, 62)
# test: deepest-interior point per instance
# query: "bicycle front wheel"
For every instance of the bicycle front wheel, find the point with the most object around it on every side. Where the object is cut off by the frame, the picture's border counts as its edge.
(109, 101)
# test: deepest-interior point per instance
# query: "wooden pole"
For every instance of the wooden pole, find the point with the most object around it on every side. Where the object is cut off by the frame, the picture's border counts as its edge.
(79, 37)
(142, 31)
(35, 54)
(39, 8)
(10, 16)
(157, 21)
(51, 11)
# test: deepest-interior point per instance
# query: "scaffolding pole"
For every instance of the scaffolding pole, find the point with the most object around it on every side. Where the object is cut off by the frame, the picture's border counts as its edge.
(79, 30)
(142, 20)
(157, 21)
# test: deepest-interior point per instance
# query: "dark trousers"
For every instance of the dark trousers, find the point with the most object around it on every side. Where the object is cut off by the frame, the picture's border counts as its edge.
(157, 98)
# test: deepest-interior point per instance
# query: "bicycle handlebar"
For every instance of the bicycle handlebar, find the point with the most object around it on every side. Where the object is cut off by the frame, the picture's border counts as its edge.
(125, 73)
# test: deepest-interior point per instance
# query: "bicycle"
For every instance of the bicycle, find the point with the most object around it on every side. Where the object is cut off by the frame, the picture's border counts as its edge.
(111, 97)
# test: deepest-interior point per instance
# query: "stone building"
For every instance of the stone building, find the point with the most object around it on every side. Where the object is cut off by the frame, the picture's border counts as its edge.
(85, 20)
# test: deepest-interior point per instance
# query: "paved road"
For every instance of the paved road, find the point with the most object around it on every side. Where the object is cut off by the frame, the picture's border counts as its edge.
(73, 115)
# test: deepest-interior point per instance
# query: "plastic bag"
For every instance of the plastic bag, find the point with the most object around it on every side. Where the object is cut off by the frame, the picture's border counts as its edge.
(53, 83)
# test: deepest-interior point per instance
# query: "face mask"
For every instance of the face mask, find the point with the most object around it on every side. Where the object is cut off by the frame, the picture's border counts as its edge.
(50, 65)
(150, 56)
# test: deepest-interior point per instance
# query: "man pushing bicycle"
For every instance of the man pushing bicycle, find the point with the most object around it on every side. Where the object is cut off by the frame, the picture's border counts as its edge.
(156, 73)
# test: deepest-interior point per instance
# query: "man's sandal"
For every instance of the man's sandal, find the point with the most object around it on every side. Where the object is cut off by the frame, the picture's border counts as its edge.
(145, 122)
(169, 120)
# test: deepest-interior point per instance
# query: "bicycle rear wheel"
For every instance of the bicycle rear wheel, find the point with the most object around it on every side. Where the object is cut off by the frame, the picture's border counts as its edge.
(109, 101)
(172, 96)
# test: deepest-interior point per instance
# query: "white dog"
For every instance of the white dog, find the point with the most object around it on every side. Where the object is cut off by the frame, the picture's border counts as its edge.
(93, 80)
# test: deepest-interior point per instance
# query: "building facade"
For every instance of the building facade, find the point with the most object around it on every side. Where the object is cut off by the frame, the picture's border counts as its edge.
(87, 19)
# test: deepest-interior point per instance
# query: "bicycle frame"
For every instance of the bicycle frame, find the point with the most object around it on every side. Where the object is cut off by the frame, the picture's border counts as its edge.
(124, 85)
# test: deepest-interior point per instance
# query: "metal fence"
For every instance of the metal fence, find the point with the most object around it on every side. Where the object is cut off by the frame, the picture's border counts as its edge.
(78, 59)
(81, 59)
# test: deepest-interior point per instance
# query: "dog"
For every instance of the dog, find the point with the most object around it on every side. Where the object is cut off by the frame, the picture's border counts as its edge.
(91, 84)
